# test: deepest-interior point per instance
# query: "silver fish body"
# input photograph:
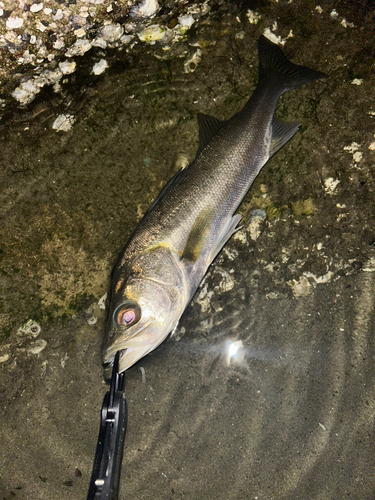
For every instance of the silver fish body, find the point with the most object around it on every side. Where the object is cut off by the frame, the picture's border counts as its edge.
(193, 217)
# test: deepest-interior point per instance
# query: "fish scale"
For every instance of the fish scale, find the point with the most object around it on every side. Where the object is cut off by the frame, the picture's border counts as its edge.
(170, 250)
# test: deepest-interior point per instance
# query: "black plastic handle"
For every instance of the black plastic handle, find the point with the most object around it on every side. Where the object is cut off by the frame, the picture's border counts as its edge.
(105, 478)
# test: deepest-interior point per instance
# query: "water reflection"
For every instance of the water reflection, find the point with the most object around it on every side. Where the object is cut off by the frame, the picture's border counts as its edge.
(234, 351)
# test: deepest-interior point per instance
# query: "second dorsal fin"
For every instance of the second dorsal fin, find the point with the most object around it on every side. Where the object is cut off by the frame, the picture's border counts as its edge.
(208, 127)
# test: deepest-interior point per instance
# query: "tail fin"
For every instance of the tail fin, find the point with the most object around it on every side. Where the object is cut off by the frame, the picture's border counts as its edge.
(273, 63)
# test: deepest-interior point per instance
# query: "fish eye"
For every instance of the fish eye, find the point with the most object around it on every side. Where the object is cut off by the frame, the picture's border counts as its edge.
(127, 314)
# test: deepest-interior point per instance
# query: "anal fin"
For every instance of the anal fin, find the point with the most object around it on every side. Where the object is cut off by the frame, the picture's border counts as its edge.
(281, 133)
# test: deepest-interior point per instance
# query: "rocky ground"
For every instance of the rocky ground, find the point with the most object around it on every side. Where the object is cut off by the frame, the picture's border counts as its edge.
(84, 152)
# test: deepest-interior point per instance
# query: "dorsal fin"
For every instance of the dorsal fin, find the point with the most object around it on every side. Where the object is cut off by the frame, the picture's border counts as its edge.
(208, 127)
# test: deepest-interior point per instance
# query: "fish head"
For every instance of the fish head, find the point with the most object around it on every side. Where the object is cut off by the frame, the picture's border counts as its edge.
(140, 317)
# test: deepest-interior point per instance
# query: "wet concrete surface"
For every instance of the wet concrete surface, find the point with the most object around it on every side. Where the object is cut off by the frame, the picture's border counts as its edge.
(292, 416)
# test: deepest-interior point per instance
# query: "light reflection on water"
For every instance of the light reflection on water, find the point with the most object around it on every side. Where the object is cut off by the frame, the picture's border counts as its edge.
(272, 406)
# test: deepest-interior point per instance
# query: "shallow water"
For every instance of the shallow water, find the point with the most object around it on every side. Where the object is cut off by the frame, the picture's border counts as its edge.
(291, 415)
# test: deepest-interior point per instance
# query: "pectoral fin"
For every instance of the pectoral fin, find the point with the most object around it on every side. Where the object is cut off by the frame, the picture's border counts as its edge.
(198, 235)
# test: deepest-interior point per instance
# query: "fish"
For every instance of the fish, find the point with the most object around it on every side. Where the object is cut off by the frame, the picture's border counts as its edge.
(167, 255)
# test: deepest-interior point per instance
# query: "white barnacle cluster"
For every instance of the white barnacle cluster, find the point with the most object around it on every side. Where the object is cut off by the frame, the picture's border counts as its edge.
(334, 15)
(30, 87)
(330, 185)
(26, 341)
(31, 331)
(256, 221)
(51, 37)
(63, 122)
(354, 150)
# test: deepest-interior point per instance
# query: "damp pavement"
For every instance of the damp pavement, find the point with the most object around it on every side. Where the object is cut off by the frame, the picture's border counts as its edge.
(290, 416)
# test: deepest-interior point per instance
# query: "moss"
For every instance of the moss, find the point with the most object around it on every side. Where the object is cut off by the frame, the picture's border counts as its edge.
(273, 212)
(61, 313)
(303, 208)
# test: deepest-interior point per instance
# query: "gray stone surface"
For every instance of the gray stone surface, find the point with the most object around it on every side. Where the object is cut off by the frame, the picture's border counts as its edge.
(293, 417)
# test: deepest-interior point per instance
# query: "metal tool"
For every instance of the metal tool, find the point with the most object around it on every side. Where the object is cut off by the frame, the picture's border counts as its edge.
(105, 478)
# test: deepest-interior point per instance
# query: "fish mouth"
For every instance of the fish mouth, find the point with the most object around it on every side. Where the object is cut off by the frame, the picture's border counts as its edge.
(108, 365)
(128, 357)
(122, 343)
(131, 349)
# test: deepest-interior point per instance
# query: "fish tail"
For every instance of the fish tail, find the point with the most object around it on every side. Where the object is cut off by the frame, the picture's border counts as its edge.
(274, 65)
